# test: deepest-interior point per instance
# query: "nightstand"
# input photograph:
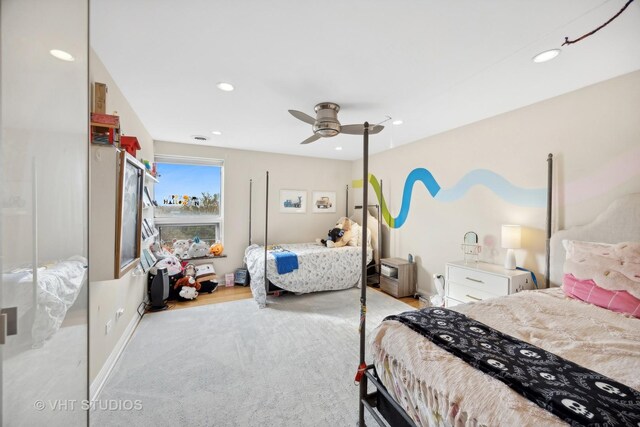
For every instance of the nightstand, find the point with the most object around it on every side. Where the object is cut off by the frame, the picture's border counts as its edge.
(398, 277)
(477, 281)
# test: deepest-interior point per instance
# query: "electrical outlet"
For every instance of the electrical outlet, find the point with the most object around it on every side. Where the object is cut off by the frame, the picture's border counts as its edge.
(119, 313)
(107, 327)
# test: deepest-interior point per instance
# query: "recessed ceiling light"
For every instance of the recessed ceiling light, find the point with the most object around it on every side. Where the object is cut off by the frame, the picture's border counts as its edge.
(227, 87)
(216, 132)
(338, 148)
(397, 122)
(61, 54)
(547, 55)
(200, 138)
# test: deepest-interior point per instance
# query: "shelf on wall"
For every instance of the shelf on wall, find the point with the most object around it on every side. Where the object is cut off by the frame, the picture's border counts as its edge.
(151, 177)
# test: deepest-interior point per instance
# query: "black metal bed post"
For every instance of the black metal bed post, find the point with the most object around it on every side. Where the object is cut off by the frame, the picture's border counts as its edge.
(250, 194)
(363, 279)
(346, 208)
(266, 233)
(549, 205)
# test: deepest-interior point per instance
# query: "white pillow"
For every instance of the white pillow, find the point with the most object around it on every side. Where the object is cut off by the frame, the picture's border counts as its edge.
(360, 237)
(355, 234)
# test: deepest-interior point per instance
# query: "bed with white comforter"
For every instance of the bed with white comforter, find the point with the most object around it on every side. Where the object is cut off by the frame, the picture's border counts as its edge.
(319, 269)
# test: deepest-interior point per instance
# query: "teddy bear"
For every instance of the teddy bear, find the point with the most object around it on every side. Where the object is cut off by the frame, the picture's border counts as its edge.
(198, 249)
(339, 235)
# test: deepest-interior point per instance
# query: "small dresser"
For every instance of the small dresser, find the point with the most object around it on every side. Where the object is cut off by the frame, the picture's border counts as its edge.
(476, 281)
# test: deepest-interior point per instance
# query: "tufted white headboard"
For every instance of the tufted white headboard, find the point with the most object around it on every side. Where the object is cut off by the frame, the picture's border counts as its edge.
(620, 222)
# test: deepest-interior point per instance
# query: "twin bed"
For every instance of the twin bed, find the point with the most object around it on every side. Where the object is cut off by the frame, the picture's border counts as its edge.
(319, 268)
(423, 383)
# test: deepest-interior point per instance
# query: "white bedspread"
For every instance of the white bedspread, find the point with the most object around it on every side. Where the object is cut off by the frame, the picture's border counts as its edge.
(437, 388)
(319, 269)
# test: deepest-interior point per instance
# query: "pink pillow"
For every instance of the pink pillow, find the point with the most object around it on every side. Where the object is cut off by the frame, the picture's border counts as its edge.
(588, 291)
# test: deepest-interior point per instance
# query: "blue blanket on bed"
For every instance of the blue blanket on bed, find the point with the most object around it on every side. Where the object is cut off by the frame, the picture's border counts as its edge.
(286, 262)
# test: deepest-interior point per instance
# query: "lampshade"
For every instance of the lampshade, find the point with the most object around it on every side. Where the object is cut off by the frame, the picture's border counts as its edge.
(511, 236)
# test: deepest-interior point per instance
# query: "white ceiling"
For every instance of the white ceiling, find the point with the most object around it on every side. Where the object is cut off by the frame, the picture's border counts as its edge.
(436, 65)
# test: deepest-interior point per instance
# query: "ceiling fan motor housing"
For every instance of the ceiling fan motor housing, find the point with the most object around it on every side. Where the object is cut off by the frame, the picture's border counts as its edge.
(327, 123)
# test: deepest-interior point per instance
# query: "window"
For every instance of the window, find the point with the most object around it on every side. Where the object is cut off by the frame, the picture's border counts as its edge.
(189, 198)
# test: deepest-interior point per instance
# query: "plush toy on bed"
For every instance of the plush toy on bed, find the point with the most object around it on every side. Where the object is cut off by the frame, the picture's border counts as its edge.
(339, 235)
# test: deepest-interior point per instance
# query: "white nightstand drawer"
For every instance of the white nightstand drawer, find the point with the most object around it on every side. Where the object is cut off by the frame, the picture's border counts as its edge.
(491, 283)
(468, 294)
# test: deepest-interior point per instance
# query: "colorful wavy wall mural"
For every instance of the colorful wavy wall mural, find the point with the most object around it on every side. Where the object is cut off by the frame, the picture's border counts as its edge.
(496, 183)
(607, 177)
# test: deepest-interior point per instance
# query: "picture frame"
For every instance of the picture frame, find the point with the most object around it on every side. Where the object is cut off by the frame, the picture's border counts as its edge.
(323, 202)
(128, 214)
(293, 201)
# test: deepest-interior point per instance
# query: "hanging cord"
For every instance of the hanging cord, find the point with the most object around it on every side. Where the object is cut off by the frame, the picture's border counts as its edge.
(567, 41)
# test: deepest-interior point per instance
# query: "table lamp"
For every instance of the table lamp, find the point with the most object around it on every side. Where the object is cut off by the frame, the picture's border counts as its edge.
(510, 241)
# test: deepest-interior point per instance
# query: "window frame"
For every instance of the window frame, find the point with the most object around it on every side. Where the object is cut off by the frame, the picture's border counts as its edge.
(194, 219)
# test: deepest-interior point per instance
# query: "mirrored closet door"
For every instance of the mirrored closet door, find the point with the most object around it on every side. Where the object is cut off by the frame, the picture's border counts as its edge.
(44, 220)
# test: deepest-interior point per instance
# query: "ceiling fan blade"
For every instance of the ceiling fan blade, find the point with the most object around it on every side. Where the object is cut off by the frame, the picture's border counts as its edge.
(302, 116)
(359, 129)
(311, 139)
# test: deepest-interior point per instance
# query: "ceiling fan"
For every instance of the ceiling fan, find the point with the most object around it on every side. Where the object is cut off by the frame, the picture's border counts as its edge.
(326, 123)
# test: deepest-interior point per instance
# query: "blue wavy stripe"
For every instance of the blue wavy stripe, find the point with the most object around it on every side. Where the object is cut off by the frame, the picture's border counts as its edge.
(528, 197)
(422, 175)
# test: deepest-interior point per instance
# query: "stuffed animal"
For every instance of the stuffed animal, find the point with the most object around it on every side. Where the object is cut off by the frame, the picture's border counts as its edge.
(159, 251)
(188, 286)
(216, 249)
(189, 282)
(171, 263)
(198, 249)
(181, 248)
(187, 292)
(339, 235)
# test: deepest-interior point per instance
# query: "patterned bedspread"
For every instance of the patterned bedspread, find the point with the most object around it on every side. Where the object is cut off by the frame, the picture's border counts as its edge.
(437, 388)
(319, 269)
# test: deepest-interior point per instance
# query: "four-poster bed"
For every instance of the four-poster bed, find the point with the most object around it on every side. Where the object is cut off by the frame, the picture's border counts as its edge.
(421, 377)
(317, 268)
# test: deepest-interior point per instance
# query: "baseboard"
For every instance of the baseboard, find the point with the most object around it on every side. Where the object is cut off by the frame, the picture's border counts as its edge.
(101, 378)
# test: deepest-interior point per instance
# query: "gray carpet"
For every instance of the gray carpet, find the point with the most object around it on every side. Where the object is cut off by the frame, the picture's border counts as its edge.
(232, 364)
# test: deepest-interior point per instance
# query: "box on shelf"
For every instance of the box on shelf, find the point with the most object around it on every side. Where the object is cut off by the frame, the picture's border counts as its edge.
(387, 270)
(105, 129)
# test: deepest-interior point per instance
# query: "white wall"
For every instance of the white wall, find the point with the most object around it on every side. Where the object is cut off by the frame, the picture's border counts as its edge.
(106, 297)
(286, 172)
(594, 134)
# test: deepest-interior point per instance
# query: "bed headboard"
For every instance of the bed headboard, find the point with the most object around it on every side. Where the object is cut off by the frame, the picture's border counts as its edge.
(620, 222)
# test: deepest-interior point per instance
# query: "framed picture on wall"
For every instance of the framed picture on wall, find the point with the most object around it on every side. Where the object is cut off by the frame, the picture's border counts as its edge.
(323, 202)
(128, 214)
(293, 201)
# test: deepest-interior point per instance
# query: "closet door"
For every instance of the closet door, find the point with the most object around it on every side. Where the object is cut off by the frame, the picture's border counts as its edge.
(44, 212)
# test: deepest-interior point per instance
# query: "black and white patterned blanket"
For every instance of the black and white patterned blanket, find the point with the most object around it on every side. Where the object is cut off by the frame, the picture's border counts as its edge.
(573, 393)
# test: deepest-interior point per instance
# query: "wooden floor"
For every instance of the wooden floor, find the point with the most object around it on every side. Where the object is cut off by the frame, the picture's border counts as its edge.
(234, 293)
(221, 294)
